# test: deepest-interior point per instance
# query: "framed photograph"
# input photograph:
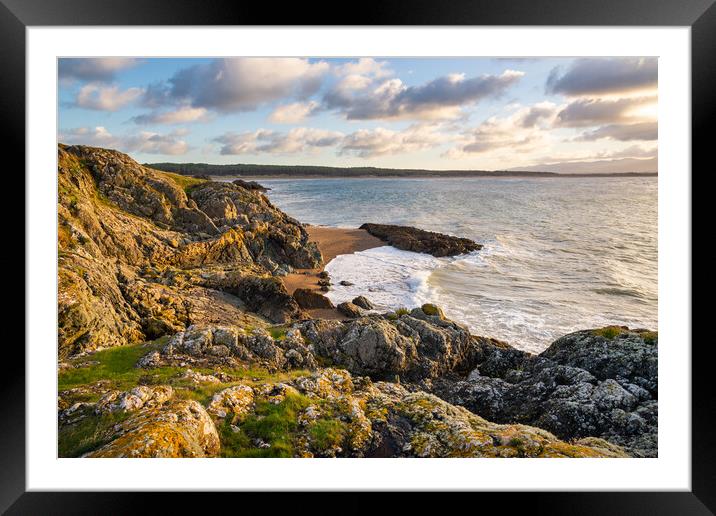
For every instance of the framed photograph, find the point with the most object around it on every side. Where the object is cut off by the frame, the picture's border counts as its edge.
(436, 248)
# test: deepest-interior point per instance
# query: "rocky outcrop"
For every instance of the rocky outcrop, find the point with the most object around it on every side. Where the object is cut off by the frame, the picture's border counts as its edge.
(363, 302)
(421, 241)
(269, 231)
(381, 419)
(250, 185)
(180, 428)
(143, 253)
(413, 346)
(307, 298)
(232, 347)
(585, 384)
(349, 309)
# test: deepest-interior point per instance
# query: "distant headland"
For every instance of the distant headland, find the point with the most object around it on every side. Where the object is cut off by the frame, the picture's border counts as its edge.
(308, 171)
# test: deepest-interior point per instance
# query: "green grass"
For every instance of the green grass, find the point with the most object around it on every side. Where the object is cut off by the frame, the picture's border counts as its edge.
(116, 364)
(327, 433)
(278, 332)
(608, 332)
(275, 424)
(184, 182)
(650, 337)
(401, 311)
(86, 435)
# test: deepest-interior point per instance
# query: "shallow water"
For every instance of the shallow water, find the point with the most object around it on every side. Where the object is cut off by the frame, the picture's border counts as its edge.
(559, 254)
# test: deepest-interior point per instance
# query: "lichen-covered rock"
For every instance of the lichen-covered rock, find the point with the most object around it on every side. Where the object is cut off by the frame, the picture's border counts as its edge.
(139, 397)
(351, 416)
(130, 241)
(307, 298)
(363, 302)
(234, 402)
(176, 429)
(583, 385)
(416, 346)
(349, 310)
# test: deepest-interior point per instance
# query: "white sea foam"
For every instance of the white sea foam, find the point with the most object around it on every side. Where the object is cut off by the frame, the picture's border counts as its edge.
(391, 278)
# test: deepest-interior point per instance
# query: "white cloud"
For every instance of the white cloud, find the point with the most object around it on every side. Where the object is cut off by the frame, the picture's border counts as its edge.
(262, 141)
(144, 141)
(645, 131)
(365, 67)
(93, 69)
(526, 129)
(600, 76)
(105, 98)
(362, 98)
(293, 113)
(243, 84)
(367, 143)
(595, 111)
(180, 115)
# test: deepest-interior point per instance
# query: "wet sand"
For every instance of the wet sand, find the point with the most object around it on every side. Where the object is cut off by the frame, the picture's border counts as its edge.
(332, 242)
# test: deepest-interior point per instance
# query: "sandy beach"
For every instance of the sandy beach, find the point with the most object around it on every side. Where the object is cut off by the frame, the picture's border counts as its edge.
(332, 242)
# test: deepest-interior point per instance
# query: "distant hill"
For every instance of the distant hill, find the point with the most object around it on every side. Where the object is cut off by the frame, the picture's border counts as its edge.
(247, 170)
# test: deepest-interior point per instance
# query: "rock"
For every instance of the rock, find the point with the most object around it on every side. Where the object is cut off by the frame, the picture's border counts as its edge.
(131, 401)
(363, 302)
(150, 360)
(199, 378)
(323, 275)
(583, 385)
(430, 309)
(381, 419)
(234, 402)
(250, 185)
(349, 310)
(421, 241)
(324, 283)
(130, 241)
(266, 296)
(180, 428)
(346, 283)
(308, 299)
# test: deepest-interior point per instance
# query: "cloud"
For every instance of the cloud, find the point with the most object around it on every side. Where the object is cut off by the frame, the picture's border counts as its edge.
(181, 115)
(642, 131)
(367, 143)
(595, 76)
(363, 143)
(526, 129)
(293, 113)
(360, 98)
(596, 167)
(144, 141)
(243, 84)
(590, 112)
(365, 67)
(105, 98)
(102, 69)
(262, 141)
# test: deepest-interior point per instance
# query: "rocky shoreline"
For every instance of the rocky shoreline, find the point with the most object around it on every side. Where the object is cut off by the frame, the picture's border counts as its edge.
(178, 337)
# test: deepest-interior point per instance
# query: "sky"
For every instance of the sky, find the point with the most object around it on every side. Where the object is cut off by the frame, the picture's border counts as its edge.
(552, 114)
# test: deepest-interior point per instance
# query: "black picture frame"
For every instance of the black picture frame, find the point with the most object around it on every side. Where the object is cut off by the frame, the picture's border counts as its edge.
(700, 15)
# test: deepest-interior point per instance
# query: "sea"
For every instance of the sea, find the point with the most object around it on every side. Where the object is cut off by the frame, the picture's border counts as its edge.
(559, 254)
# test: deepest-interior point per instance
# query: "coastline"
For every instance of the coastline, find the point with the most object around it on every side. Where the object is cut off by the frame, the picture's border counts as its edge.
(331, 242)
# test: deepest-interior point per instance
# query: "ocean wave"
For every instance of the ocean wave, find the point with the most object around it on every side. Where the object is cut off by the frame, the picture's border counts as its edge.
(391, 278)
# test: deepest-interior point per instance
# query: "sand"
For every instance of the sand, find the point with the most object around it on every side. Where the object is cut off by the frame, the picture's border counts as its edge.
(332, 242)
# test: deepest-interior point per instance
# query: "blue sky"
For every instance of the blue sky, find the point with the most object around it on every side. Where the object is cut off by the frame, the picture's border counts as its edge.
(581, 115)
